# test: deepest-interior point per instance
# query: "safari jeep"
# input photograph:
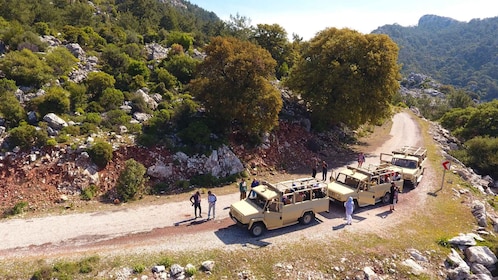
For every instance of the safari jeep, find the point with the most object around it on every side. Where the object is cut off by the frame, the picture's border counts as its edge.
(365, 186)
(272, 206)
(410, 160)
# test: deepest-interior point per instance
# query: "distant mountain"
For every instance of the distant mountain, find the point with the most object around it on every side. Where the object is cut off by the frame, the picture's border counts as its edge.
(463, 54)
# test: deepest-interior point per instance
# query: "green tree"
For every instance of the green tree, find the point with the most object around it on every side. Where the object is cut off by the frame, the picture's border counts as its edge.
(77, 95)
(10, 108)
(234, 85)
(100, 153)
(27, 136)
(181, 66)
(482, 154)
(97, 82)
(25, 68)
(131, 181)
(61, 60)
(184, 39)
(459, 99)
(55, 100)
(111, 99)
(274, 39)
(347, 77)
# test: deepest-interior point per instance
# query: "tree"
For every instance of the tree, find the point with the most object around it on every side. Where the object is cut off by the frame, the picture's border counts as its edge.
(181, 66)
(233, 84)
(131, 181)
(100, 153)
(97, 82)
(61, 60)
(347, 77)
(25, 68)
(274, 39)
(10, 108)
(56, 100)
(111, 99)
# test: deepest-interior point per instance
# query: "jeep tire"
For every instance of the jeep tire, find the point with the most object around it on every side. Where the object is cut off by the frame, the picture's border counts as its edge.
(307, 218)
(257, 229)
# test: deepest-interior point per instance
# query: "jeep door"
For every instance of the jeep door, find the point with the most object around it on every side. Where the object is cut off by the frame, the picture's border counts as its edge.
(273, 215)
(366, 194)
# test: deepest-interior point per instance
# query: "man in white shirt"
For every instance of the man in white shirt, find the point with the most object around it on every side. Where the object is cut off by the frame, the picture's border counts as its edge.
(212, 204)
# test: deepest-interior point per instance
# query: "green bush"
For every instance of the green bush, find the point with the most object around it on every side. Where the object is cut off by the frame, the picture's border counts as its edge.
(88, 128)
(100, 153)
(131, 181)
(190, 270)
(204, 180)
(159, 188)
(19, 208)
(166, 261)
(26, 136)
(72, 130)
(138, 268)
(62, 138)
(89, 193)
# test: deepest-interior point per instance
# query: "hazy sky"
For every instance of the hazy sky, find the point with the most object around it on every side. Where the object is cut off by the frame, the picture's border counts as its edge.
(307, 17)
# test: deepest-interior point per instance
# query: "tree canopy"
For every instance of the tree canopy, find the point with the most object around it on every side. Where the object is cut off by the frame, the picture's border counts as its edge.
(347, 77)
(233, 83)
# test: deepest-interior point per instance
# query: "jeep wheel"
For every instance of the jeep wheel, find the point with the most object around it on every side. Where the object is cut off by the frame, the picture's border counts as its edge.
(386, 198)
(307, 218)
(257, 229)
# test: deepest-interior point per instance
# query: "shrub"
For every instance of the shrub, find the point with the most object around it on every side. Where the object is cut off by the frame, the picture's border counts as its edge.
(62, 138)
(159, 188)
(166, 261)
(89, 193)
(88, 128)
(139, 268)
(190, 270)
(100, 153)
(26, 136)
(131, 181)
(182, 184)
(71, 130)
(19, 208)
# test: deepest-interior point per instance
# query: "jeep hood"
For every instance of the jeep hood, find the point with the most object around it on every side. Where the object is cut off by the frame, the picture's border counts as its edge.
(245, 207)
(338, 188)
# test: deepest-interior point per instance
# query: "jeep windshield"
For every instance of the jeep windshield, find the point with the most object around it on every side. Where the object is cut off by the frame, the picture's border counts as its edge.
(404, 163)
(347, 180)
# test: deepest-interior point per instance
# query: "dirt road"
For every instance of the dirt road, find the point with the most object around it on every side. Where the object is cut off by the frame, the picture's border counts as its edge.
(170, 226)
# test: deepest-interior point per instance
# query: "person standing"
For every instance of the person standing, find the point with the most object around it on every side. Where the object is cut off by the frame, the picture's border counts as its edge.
(254, 184)
(349, 205)
(196, 202)
(212, 204)
(243, 189)
(393, 196)
(361, 159)
(314, 167)
(324, 170)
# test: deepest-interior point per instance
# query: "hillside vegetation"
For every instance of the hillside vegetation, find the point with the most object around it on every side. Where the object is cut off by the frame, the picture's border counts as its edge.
(462, 54)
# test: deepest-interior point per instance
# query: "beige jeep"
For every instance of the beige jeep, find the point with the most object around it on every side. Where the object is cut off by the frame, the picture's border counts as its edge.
(410, 160)
(271, 206)
(365, 186)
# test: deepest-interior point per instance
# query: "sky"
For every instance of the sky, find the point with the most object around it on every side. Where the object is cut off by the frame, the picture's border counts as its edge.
(307, 17)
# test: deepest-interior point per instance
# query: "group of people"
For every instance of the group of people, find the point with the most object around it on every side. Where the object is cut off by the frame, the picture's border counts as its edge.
(243, 187)
(195, 199)
(315, 165)
(314, 169)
